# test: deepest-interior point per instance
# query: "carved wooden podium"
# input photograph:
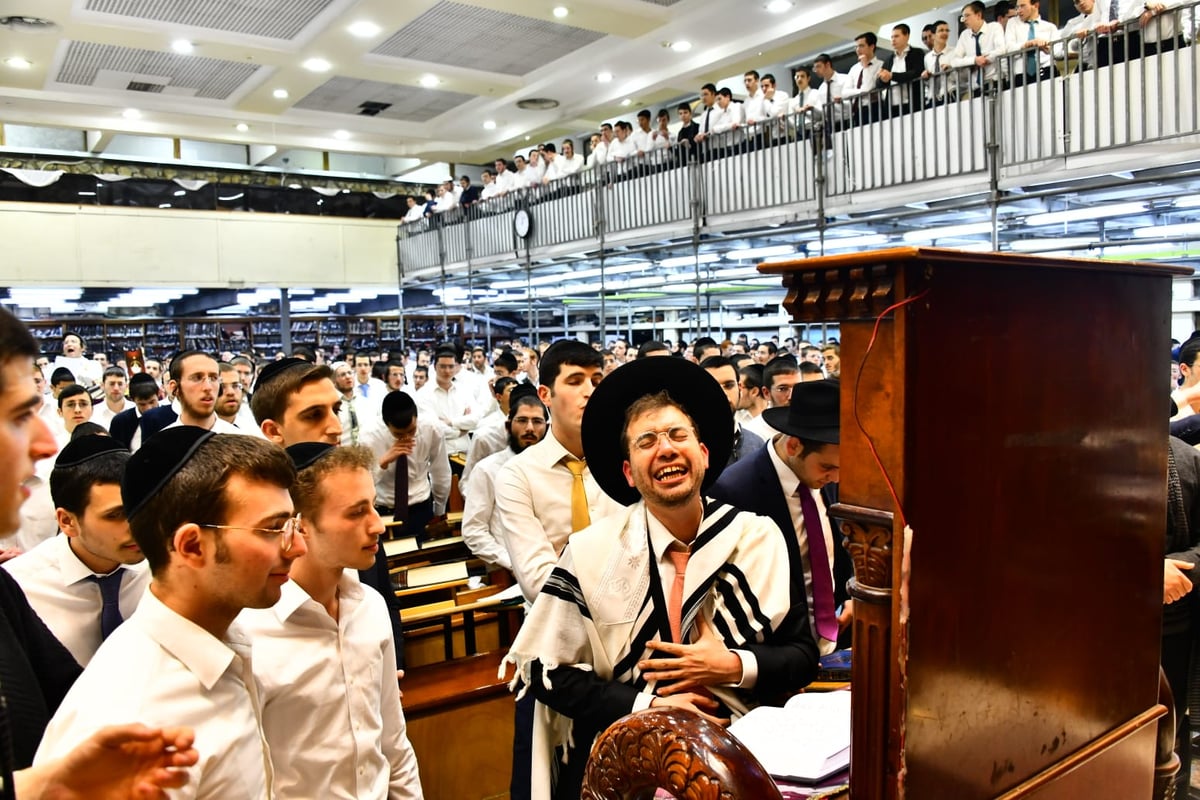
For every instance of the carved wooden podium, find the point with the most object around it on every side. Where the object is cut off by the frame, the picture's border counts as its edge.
(1018, 408)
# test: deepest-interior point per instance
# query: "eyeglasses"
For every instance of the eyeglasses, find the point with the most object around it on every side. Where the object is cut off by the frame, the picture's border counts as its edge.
(213, 379)
(649, 440)
(237, 386)
(537, 422)
(287, 532)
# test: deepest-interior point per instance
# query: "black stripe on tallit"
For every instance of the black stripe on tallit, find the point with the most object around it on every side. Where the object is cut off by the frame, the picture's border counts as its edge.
(565, 586)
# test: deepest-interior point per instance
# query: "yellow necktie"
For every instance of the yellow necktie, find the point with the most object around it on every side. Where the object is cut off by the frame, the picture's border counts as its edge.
(580, 518)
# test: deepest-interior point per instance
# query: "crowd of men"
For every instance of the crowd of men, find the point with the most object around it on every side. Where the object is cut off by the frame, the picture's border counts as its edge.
(208, 595)
(1015, 47)
(189, 545)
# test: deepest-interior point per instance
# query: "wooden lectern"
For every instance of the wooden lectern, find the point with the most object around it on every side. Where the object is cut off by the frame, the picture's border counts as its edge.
(1007, 644)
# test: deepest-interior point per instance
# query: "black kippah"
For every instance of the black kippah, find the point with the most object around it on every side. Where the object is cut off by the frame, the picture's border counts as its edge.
(156, 462)
(268, 373)
(523, 389)
(85, 448)
(142, 377)
(305, 454)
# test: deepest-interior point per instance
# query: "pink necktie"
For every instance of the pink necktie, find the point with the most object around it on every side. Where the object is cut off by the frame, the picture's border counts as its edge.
(675, 604)
(818, 562)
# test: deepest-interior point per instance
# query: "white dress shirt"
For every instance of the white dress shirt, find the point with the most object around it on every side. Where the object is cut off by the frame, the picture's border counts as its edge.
(991, 44)
(533, 509)
(455, 411)
(1017, 33)
(428, 465)
(414, 214)
(643, 141)
(163, 670)
(490, 437)
(103, 415)
(722, 120)
(834, 86)
(753, 111)
(791, 484)
(506, 180)
(568, 166)
(331, 704)
(479, 532)
(60, 589)
(621, 150)
(776, 105)
(861, 78)
(942, 83)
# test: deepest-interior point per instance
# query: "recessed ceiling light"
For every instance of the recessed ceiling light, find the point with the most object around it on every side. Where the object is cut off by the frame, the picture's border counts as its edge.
(242, 127)
(343, 135)
(183, 47)
(626, 102)
(280, 94)
(16, 62)
(681, 46)
(429, 81)
(779, 6)
(364, 29)
(489, 124)
(527, 138)
(131, 113)
(561, 11)
(604, 77)
(317, 65)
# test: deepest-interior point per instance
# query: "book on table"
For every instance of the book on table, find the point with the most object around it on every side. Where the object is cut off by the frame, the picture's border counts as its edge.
(805, 741)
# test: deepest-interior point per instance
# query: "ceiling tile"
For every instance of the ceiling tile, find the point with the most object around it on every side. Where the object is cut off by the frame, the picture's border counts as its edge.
(273, 19)
(106, 66)
(484, 39)
(407, 103)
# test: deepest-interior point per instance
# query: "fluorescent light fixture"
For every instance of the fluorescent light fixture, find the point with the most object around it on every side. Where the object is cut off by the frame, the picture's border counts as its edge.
(317, 65)
(756, 253)
(86, 194)
(41, 296)
(341, 135)
(687, 261)
(231, 198)
(16, 62)
(183, 47)
(779, 6)
(489, 124)
(1084, 214)
(131, 113)
(1053, 243)
(280, 94)
(1188, 202)
(164, 205)
(948, 232)
(626, 103)
(1166, 231)
(604, 77)
(241, 127)
(429, 81)
(363, 29)
(850, 242)
(180, 193)
(682, 46)
(561, 11)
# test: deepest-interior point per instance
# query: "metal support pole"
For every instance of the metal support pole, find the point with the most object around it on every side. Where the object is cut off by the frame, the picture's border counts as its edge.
(285, 322)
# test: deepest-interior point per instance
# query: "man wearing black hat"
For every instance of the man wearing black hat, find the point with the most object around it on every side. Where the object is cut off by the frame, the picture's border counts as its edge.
(213, 516)
(676, 600)
(324, 652)
(793, 480)
(85, 582)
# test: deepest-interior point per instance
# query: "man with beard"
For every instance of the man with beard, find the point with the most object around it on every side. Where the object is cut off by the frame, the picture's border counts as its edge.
(195, 382)
(85, 582)
(675, 600)
(231, 402)
(356, 411)
(526, 425)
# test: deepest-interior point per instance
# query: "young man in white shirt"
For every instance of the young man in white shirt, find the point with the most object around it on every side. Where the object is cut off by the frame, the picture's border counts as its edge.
(75, 408)
(324, 652)
(297, 402)
(944, 85)
(84, 582)
(450, 403)
(114, 397)
(752, 107)
(1031, 35)
(214, 518)
(403, 439)
(85, 370)
(979, 48)
(861, 79)
(195, 382)
(569, 162)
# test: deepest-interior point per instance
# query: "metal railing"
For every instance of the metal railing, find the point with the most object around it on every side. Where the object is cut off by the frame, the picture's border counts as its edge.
(1080, 96)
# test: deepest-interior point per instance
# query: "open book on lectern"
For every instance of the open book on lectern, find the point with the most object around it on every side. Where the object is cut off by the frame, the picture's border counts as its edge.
(806, 741)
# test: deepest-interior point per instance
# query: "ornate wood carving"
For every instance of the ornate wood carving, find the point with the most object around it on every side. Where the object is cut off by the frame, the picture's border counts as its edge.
(856, 292)
(676, 750)
(867, 537)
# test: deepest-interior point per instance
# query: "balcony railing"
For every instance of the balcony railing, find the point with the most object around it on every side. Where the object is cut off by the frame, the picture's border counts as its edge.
(982, 128)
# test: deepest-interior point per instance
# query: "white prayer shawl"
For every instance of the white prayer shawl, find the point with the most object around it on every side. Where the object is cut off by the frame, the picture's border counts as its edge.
(603, 602)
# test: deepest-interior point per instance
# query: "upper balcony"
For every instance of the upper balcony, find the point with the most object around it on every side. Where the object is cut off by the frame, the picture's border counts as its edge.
(1087, 153)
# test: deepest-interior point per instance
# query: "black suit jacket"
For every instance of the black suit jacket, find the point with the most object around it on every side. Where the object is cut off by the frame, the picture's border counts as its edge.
(123, 425)
(914, 65)
(752, 485)
(155, 420)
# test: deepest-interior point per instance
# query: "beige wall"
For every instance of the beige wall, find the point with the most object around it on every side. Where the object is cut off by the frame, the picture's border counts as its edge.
(47, 245)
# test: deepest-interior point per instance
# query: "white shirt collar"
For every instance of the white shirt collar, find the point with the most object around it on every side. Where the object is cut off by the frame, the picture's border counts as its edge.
(292, 596)
(201, 653)
(787, 478)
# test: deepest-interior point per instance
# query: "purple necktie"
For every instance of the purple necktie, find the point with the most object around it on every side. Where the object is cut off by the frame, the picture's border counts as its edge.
(818, 561)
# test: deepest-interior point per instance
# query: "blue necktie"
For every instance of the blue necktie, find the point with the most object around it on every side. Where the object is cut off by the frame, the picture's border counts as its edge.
(1031, 58)
(362, 389)
(110, 595)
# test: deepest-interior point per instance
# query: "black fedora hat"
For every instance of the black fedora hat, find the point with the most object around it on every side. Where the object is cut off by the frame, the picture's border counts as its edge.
(687, 384)
(814, 413)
